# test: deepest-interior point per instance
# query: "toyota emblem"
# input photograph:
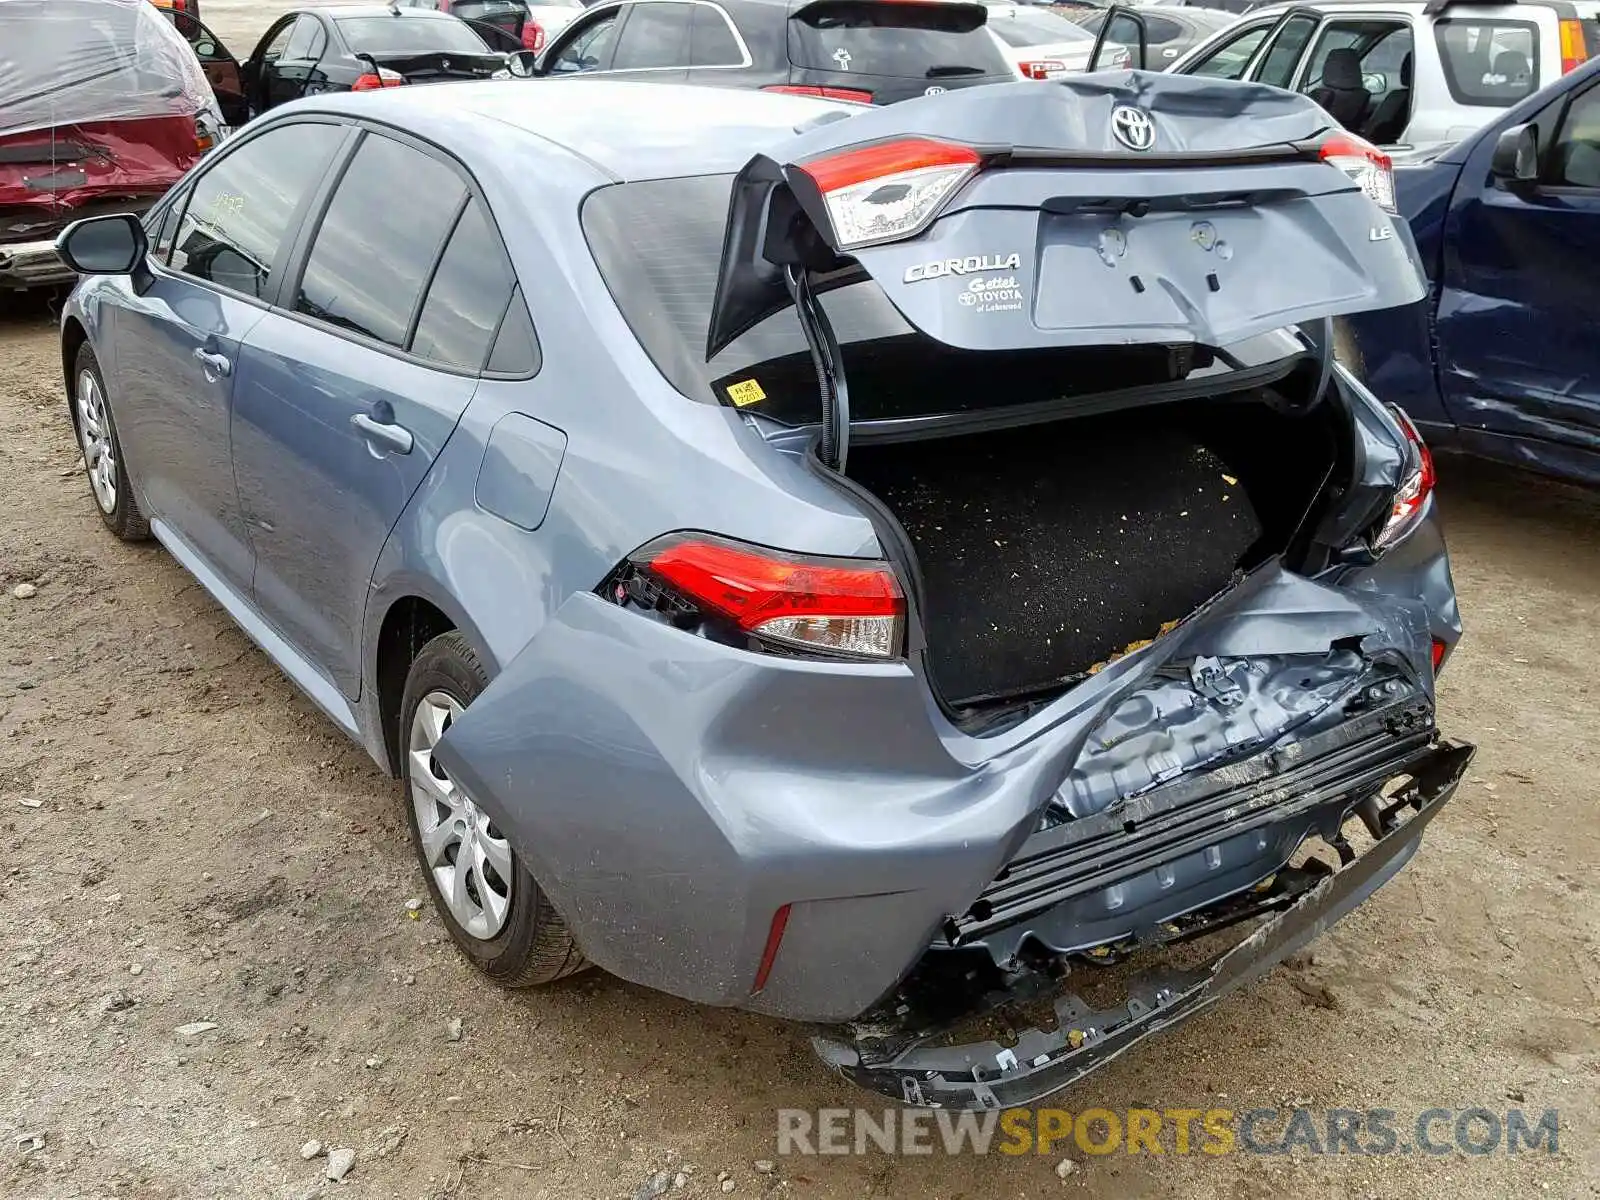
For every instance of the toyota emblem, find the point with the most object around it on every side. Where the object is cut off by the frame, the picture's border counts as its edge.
(935, 90)
(1133, 127)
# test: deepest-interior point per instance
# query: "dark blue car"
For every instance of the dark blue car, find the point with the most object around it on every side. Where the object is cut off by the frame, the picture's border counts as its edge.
(1501, 360)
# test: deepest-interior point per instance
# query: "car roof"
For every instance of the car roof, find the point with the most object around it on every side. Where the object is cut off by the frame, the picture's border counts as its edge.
(377, 10)
(629, 130)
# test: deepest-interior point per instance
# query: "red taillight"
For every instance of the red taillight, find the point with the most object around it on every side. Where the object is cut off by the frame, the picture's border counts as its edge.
(1414, 490)
(1042, 69)
(769, 952)
(1574, 50)
(1439, 651)
(854, 95)
(1364, 163)
(385, 78)
(889, 190)
(532, 35)
(841, 606)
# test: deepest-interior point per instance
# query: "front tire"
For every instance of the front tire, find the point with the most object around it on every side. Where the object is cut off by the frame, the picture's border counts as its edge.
(103, 462)
(497, 914)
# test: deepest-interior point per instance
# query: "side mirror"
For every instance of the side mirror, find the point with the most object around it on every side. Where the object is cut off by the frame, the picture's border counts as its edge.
(523, 64)
(113, 245)
(1123, 43)
(1516, 155)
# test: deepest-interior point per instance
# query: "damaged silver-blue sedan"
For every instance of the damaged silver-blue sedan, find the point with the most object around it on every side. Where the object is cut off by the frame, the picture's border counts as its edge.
(865, 566)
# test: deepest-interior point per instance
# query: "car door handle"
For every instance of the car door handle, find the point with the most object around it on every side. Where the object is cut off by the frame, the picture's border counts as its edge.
(219, 366)
(389, 436)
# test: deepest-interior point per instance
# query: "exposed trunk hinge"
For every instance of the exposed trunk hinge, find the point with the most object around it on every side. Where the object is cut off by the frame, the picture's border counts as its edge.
(830, 368)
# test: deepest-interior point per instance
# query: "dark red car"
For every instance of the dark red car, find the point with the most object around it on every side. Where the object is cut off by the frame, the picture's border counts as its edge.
(102, 107)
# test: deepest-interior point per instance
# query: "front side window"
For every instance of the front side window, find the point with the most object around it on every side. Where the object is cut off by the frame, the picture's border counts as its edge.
(1277, 68)
(377, 243)
(656, 35)
(274, 48)
(239, 210)
(588, 48)
(1490, 63)
(1229, 60)
(1575, 157)
(468, 295)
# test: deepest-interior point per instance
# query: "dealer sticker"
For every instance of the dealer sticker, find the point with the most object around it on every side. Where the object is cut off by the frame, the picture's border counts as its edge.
(745, 393)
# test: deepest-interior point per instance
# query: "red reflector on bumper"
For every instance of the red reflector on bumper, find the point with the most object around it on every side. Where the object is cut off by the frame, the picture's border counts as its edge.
(769, 955)
(1439, 649)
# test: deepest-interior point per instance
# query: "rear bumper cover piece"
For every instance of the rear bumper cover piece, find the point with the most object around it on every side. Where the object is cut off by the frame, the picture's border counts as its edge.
(984, 1075)
(32, 264)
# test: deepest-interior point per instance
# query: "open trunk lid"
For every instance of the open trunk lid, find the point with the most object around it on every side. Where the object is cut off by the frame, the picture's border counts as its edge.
(1112, 209)
(435, 67)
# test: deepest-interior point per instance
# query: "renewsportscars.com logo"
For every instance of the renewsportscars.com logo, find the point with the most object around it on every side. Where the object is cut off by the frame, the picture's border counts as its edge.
(1181, 1131)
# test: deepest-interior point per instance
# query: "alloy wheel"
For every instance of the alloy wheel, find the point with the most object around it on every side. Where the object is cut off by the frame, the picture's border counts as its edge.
(94, 435)
(469, 858)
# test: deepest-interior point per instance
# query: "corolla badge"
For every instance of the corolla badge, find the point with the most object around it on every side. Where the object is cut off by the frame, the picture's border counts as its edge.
(1133, 127)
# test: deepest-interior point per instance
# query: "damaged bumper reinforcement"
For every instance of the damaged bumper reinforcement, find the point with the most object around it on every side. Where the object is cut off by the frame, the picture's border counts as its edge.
(896, 1054)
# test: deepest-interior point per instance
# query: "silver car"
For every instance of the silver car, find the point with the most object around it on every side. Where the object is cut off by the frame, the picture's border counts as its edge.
(855, 564)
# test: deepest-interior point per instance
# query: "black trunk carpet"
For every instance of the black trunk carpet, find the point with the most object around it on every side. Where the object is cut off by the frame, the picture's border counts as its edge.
(1047, 550)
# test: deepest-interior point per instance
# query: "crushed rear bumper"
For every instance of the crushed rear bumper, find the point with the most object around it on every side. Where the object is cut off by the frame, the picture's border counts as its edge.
(905, 1065)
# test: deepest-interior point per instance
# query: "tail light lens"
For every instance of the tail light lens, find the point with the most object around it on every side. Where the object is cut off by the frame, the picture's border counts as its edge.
(739, 592)
(891, 190)
(1415, 488)
(383, 79)
(1440, 651)
(1366, 164)
(1574, 50)
(533, 37)
(855, 95)
(1044, 68)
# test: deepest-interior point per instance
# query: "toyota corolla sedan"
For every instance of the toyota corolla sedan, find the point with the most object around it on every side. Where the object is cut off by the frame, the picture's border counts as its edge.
(862, 565)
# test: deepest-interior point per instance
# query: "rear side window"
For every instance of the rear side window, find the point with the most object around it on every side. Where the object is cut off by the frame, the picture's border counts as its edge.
(409, 35)
(240, 209)
(376, 246)
(904, 41)
(468, 295)
(655, 35)
(711, 40)
(307, 41)
(1489, 63)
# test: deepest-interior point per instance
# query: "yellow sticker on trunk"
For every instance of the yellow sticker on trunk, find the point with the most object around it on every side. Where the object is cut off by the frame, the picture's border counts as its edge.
(745, 392)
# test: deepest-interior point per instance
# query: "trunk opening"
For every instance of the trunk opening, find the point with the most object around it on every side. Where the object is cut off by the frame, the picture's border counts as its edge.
(1046, 551)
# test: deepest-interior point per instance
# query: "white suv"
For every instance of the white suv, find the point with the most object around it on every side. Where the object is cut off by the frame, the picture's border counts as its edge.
(1404, 72)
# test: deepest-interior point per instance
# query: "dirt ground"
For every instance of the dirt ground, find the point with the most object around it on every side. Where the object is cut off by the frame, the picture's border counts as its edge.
(187, 840)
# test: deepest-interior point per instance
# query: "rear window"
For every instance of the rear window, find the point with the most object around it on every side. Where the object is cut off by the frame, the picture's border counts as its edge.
(906, 41)
(1032, 27)
(1488, 63)
(409, 35)
(658, 243)
(498, 11)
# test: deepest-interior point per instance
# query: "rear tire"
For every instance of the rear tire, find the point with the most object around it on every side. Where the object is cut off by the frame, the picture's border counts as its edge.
(103, 461)
(496, 912)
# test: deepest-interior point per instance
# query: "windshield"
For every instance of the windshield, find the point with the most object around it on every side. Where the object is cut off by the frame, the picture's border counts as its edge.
(65, 62)
(907, 41)
(403, 35)
(1034, 28)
